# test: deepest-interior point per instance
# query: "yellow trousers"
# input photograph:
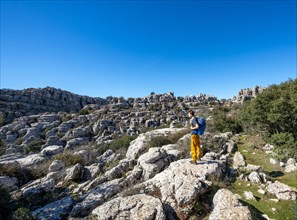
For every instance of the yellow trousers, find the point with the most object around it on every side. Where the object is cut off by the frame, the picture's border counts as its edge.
(195, 147)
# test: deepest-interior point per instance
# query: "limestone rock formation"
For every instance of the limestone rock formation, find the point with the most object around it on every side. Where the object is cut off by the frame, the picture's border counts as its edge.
(227, 206)
(138, 206)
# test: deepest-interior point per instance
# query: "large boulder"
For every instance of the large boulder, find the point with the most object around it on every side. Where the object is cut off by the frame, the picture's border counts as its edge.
(180, 184)
(95, 197)
(56, 170)
(82, 131)
(117, 171)
(85, 155)
(73, 173)
(238, 160)
(139, 206)
(76, 142)
(38, 186)
(51, 150)
(54, 210)
(90, 172)
(227, 206)
(32, 161)
(291, 165)
(153, 162)
(138, 146)
(282, 191)
(10, 183)
(258, 178)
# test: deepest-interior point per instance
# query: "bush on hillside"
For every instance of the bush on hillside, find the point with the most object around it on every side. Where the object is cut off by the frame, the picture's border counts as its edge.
(285, 145)
(119, 143)
(273, 114)
(226, 119)
(34, 146)
(160, 141)
(69, 158)
(83, 112)
(22, 214)
(1, 119)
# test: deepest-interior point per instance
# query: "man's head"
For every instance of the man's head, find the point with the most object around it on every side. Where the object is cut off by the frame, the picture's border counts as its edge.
(191, 113)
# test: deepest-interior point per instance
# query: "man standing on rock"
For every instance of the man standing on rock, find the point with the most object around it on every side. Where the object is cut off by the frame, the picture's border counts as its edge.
(195, 139)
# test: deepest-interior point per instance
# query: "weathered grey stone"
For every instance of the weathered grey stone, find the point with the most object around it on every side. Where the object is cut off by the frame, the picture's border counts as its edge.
(153, 162)
(258, 178)
(227, 206)
(51, 150)
(139, 206)
(272, 161)
(95, 197)
(291, 168)
(238, 160)
(138, 146)
(247, 94)
(268, 147)
(85, 155)
(33, 160)
(210, 156)
(249, 195)
(54, 210)
(56, 165)
(291, 161)
(172, 150)
(90, 172)
(231, 146)
(74, 173)
(251, 167)
(16, 103)
(282, 191)
(10, 183)
(56, 170)
(261, 191)
(180, 184)
(76, 142)
(38, 186)
(107, 156)
(119, 170)
(14, 149)
(82, 131)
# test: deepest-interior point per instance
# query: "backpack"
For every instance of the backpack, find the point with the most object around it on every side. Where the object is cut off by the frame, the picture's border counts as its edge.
(202, 125)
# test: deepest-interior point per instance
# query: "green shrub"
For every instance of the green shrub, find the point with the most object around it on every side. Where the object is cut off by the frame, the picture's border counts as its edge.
(69, 158)
(160, 141)
(83, 112)
(119, 143)
(34, 201)
(43, 133)
(285, 146)
(23, 175)
(273, 114)
(34, 146)
(1, 119)
(225, 120)
(22, 214)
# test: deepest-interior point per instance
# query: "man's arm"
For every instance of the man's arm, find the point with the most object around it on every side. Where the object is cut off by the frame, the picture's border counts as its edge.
(195, 127)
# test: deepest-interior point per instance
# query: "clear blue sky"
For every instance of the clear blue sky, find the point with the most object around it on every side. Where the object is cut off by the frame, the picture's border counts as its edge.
(132, 48)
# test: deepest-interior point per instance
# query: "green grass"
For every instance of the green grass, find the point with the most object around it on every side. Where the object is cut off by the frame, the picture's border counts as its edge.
(254, 144)
(285, 210)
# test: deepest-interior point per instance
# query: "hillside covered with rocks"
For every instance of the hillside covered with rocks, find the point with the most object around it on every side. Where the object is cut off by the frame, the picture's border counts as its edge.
(65, 156)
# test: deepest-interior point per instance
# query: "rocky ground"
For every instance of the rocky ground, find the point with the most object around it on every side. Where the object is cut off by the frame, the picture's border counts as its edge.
(129, 159)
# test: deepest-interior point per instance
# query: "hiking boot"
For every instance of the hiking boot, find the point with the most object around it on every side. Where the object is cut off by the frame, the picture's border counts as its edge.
(193, 162)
